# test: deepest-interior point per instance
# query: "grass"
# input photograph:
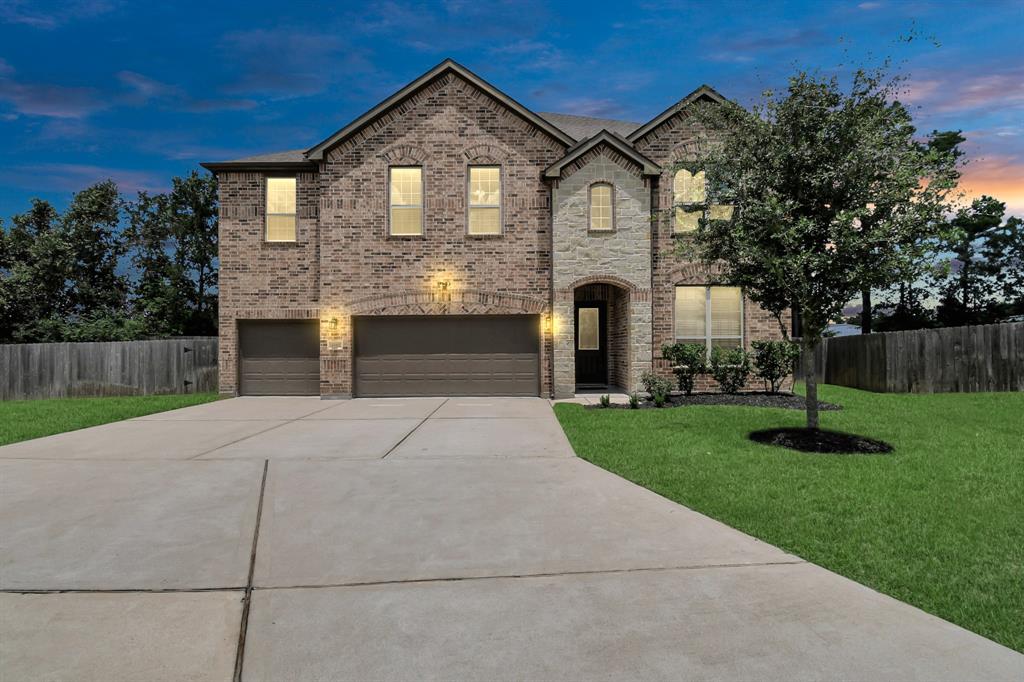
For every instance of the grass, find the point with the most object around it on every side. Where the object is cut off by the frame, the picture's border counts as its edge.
(25, 419)
(938, 524)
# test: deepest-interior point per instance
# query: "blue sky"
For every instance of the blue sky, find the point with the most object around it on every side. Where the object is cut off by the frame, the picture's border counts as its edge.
(142, 91)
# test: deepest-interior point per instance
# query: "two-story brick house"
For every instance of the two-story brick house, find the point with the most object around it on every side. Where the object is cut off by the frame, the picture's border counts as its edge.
(452, 242)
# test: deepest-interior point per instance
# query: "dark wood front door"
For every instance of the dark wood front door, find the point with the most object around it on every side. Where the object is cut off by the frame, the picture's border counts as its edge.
(591, 344)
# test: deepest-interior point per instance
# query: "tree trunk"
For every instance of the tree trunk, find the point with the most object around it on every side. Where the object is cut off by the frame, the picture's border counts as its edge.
(810, 383)
(865, 311)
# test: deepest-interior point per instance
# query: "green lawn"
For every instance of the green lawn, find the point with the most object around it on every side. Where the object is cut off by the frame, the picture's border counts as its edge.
(24, 419)
(938, 524)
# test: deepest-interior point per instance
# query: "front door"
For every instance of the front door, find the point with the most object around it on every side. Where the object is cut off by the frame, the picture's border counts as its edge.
(591, 344)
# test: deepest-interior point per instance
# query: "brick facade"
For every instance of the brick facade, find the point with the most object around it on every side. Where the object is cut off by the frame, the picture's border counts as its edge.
(344, 262)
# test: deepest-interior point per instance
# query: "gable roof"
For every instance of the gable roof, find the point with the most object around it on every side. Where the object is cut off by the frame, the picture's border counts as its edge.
(704, 91)
(582, 127)
(448, 65)
(292, 159)
(616, 142)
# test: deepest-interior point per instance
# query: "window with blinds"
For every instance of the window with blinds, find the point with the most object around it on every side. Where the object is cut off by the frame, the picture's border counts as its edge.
(406, 208)
(712, 316)
(280, 215)
(484, 200)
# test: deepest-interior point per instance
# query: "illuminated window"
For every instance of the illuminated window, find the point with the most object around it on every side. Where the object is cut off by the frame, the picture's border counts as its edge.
(406, 201)
(687, 189)
(712, 316)
(280, 210)
(484, 200)
(602, 216)
(588, 329)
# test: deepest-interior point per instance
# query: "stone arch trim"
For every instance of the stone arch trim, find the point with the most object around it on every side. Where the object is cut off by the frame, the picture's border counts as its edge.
(404, 154)
(458, 302)
(485, 153)
(605, 150)
(695, 273)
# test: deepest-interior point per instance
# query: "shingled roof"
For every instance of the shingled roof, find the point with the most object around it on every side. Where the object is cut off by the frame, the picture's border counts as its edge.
(582, 127)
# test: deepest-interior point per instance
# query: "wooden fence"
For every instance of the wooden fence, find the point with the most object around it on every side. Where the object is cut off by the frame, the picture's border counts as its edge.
(951, 360)
(61, 370)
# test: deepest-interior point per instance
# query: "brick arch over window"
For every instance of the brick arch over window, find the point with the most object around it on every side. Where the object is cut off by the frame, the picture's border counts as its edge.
(695, 273)
(408, 154)
(458, 302)
(485, 153)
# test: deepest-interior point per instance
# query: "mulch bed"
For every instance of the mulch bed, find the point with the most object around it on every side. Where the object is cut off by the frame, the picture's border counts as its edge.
(787, 401)
(820, 440)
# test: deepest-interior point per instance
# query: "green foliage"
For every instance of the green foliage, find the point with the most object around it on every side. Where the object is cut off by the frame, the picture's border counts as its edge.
(833, 196)
(658, 387)
(774, 361)
(730, 367)
(659, 399)
(688, 361)
(605, 400)
(966, 287)
(61, 275)
(634, 401)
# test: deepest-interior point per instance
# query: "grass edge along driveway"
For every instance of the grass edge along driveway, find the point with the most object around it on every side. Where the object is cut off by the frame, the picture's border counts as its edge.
(25, 419)
(938, 524)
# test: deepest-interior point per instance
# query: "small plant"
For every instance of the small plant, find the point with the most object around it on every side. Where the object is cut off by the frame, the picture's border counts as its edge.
(688, 360)
(730, 367)
(634, 401)
(606, 400)
(656, 386)
(774, 361)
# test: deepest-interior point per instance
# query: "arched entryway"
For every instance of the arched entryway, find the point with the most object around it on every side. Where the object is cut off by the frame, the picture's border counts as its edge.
(602, 339)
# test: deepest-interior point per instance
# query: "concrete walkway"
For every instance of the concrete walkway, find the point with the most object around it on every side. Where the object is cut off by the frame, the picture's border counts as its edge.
(295, 539)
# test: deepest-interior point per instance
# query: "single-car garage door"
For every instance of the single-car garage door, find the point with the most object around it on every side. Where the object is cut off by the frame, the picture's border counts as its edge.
(447, 355)
(279, 357)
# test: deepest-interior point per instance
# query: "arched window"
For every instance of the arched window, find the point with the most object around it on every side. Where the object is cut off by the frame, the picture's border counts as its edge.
(688, 197)
(602, 207)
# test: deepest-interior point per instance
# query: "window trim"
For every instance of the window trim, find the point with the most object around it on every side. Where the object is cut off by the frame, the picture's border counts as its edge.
(266, 209)
(590, 206)
(708, 337)
(501, 200)
(421, 205)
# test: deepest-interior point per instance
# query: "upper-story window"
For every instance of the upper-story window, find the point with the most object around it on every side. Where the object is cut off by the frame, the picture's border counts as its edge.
(280, 210)
(406, 214)
(711, 316)
(602, 214)
(484, 200)
(688, 197)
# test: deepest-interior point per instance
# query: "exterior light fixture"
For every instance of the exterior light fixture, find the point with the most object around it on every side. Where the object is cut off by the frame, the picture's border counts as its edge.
(443, 285)
(333, 324)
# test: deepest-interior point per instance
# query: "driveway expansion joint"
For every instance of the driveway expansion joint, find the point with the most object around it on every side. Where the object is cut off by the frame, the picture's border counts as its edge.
(516, 576)
(247, 597)
(283, 422)
(422, 422)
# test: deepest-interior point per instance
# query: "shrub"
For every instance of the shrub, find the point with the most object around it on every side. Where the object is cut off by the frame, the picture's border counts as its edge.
(774, 361)
(656, 386)
(606, 400)
(634, 401)
(730, 367)
(688, 360)
(659, 399)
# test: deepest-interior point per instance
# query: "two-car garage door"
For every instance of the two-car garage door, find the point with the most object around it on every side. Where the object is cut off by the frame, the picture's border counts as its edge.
(398, 356)
(447, 355)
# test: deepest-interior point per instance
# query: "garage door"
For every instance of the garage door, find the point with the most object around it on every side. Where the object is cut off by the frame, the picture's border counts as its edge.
(279, 357)
(449, 355)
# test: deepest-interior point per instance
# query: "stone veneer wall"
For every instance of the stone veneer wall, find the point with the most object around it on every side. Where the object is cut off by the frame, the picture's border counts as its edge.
(621, 257)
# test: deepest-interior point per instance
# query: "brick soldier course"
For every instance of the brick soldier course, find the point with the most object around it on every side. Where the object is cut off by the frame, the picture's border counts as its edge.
(344, 262)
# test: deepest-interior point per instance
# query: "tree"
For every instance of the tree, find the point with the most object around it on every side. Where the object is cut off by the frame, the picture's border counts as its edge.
(831, 195)
(1004, 252)
(966, 292)
(174, 250)
(92, 228)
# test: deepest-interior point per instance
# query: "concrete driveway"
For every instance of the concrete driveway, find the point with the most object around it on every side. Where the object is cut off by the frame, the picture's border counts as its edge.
(295, 539)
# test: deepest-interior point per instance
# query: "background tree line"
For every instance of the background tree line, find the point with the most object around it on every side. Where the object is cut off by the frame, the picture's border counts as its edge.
(110, 268)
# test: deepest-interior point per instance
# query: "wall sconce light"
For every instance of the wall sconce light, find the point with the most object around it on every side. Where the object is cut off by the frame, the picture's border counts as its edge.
(443, 285)
(333, 324)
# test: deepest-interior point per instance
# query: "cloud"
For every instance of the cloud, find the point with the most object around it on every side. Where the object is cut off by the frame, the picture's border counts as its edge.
(591, 106)
(968, 89)
(51, 15)
(769, 41)
(999, 176)
(531, 54)
(47, 99)
(869, 5)
(73, 177)
(146, 90)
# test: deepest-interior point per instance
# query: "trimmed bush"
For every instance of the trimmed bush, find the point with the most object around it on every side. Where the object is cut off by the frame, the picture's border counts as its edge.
(658, 387)
(688, 360)
(774, 361)
(606, 400)
(730, 367)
